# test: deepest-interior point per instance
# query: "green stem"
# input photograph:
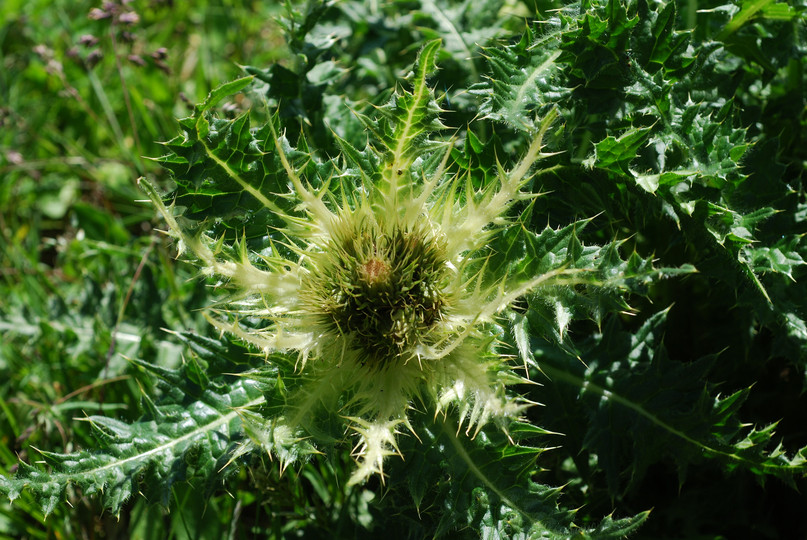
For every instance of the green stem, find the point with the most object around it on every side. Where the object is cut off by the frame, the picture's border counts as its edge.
(746, 13)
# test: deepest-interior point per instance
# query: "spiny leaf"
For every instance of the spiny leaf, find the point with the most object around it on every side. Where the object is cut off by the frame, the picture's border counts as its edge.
(192, 441)
(645, 406)
(483, 485)
(524, 81)
(410, 116)
(597, 288)
(616, 153)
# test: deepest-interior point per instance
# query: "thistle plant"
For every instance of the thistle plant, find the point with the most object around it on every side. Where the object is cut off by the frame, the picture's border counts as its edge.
(381, 289)
(436, 287)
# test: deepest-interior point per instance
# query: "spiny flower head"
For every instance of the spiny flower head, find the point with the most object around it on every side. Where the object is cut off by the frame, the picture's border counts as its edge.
(380, 290)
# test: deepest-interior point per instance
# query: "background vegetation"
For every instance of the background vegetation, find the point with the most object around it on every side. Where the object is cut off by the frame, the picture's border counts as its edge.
(88, 90)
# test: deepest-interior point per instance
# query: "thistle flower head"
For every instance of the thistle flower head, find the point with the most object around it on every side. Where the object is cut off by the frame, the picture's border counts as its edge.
(380, 290)
(379, 287)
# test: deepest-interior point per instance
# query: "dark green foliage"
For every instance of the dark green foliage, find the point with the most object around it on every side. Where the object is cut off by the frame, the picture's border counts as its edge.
(645, 407)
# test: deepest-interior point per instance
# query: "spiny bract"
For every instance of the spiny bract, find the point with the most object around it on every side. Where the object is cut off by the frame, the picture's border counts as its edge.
(385, 298)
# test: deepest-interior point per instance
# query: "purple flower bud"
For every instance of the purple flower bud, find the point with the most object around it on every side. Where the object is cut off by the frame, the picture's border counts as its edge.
(129, 17)
(88, 40)
(135, 59)
(160, 53)
(43, 51)
(97, 14)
